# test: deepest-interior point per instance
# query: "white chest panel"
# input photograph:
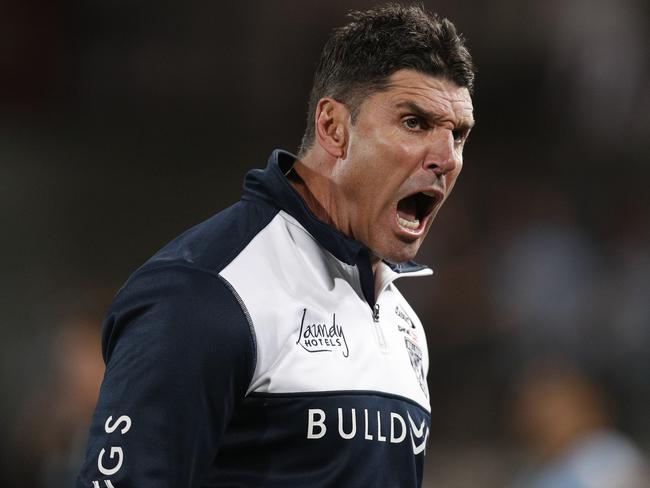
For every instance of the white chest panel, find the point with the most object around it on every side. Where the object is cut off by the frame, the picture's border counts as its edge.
(314, 330)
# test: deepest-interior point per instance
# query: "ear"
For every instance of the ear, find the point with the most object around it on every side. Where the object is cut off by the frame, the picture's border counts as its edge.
(332, 123)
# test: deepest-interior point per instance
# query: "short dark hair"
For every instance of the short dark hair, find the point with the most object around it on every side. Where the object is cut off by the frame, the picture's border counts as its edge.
(359, 57)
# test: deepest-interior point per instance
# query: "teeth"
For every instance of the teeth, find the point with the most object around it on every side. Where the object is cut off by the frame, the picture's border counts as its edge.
(409, 224)
(431, 194)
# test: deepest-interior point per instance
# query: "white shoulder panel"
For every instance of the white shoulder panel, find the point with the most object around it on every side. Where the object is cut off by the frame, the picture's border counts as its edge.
(314, 329)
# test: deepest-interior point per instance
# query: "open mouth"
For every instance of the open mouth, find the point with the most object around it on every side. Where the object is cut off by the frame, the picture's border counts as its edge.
(413, 210)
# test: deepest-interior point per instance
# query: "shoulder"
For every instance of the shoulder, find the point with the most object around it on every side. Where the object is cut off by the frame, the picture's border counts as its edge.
(175, 307)
(179, 297)
(212, 244)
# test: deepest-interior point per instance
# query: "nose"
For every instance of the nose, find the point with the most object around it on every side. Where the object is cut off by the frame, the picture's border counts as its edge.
(442, 154)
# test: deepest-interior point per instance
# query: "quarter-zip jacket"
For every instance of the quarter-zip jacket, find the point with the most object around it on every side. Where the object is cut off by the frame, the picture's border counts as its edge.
(258, 349)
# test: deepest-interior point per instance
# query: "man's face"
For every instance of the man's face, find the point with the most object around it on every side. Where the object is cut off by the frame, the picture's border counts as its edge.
(404, 153)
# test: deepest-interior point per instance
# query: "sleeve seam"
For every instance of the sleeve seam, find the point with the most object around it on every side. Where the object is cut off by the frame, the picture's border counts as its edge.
(224, 282)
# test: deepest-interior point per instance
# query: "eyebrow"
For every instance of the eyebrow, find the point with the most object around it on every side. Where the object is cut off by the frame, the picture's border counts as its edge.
(431, 116)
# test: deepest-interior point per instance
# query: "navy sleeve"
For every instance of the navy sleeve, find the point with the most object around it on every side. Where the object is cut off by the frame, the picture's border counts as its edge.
(179, 356)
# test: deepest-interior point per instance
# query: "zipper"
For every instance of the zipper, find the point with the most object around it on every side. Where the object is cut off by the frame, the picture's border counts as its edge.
(375, 313)
(379, 333)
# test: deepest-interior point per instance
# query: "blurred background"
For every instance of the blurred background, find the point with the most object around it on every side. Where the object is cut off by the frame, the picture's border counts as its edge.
(122, 123)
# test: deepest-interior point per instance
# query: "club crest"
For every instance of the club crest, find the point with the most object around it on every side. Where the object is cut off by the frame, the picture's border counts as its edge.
(415, 355)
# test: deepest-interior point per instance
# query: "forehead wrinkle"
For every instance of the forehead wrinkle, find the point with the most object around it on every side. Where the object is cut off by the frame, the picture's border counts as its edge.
(442, 99)
(414, 80)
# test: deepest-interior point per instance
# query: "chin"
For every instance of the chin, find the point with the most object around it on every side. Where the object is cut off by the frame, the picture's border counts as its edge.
(400, 253)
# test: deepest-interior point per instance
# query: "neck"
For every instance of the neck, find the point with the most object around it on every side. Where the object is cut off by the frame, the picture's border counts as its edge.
(316, 189)
(309, 178)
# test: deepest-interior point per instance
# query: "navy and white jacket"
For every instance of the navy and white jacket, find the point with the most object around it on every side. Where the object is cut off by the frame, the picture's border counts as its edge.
(259, 350)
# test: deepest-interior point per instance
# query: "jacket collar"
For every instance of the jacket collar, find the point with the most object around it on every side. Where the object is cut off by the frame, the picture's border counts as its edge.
(272, 186)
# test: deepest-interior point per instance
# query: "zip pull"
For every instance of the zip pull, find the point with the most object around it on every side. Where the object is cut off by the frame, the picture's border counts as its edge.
(379, 333)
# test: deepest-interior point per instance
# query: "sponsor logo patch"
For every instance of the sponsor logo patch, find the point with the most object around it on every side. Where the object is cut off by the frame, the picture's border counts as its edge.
(402, 315)
(317, 337)
(405, 325)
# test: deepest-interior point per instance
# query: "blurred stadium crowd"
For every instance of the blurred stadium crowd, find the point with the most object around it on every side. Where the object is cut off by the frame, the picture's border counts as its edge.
(125, 122)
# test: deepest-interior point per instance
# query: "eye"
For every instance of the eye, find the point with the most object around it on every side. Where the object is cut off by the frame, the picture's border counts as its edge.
(459, 135)
(414, 123)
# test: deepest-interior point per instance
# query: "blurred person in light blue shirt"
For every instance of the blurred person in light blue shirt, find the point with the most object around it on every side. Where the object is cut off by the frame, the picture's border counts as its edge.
(565, 419)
